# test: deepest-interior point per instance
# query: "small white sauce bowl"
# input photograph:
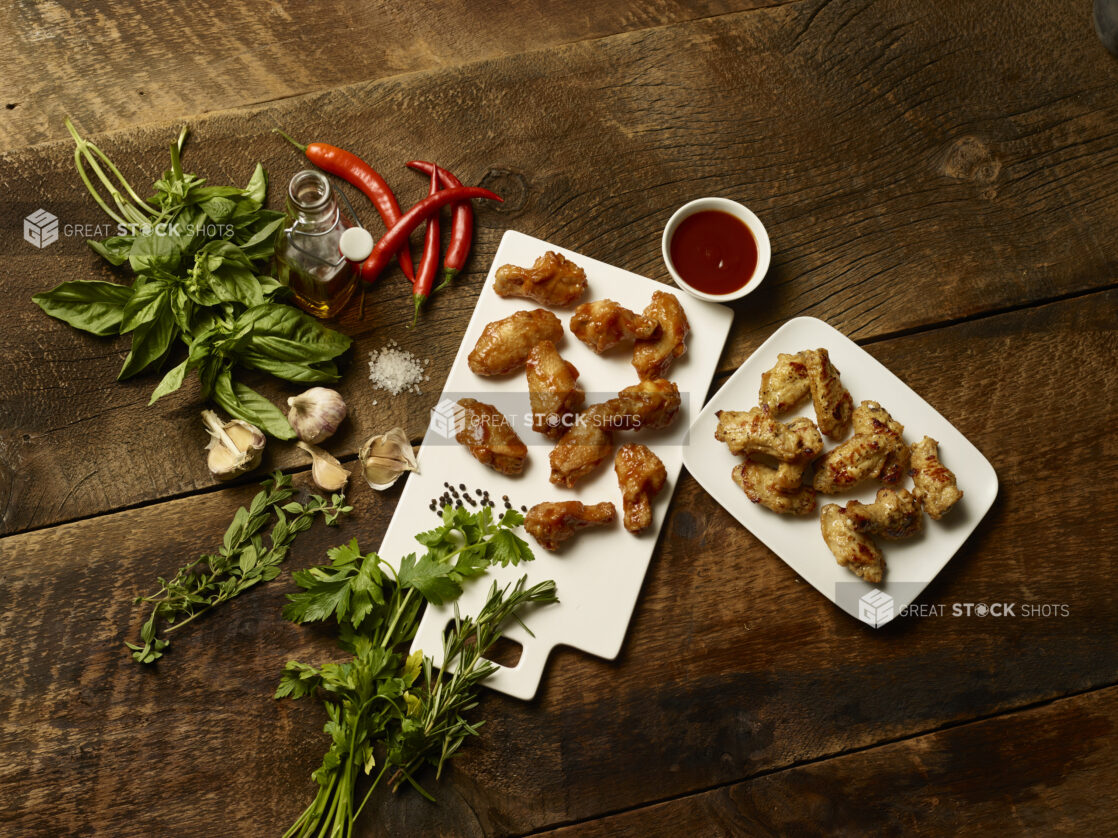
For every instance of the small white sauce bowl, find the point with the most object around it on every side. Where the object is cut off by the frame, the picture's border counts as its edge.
(740, 211)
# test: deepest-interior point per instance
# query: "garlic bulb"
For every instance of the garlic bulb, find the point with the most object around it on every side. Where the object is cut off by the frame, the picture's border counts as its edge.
(385, 457)
(328, 474)
(316, 414)
(235, 446)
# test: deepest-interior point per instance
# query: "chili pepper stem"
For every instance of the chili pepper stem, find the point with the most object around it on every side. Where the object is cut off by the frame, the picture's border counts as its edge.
(419, 299)
(287, 137)
(448, 277)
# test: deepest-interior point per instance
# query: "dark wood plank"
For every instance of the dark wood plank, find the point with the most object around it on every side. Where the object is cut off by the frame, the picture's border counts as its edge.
(118, 65)
(1041, 770)
(733, 666)
(905, 178)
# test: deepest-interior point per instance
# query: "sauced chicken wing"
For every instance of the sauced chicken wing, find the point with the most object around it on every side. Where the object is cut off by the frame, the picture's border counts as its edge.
(876, 451)
(833, 404)
(552, 390)
(785, 385)
(504, 344)
(603, 324)
(756, 480)
(652, 357)
(490, 437)
(893, 515)
(935, 483)
(752, 431)
(851, 548)
(552, 523)
(650, 405)
(553, 280)
(584, 447)
(641, 475)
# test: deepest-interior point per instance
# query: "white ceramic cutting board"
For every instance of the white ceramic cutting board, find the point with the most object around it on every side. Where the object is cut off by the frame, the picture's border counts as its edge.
(599, 572)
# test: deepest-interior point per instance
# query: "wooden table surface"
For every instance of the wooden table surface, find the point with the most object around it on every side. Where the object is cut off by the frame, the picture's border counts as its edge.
(940, 182)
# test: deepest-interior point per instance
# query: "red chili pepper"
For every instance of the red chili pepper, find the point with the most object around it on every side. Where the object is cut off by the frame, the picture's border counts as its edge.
(397, 237)
(425, 278)
(356, 171)
(462, 227)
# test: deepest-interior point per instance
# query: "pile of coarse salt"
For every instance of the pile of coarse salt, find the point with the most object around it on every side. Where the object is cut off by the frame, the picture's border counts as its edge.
(397, 370)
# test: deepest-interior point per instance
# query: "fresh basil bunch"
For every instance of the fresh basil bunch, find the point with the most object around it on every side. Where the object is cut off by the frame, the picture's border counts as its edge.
(199, 254)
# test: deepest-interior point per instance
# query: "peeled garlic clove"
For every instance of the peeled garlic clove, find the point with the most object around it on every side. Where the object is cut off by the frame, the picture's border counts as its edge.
(316, 414)
(235, 446)
(328, 474)
(385, 457)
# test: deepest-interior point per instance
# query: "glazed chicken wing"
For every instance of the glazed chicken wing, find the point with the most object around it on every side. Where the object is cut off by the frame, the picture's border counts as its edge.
(650, 405)
(851, 548)
(553, 280)
(893, 515)
(490, 437)
(504, 344)
(641, 475)
(833, 404)
(584, 447)
(785, 385)
(753, 431)
(603, 324)
(552, 523)
(652, 357)
(876, 451)
(552, 390)
(756, 480)
(935, 483)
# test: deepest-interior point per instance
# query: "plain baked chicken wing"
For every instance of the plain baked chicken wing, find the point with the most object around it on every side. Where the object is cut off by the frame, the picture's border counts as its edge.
(785, 385)
(851, 548)
(876, 451)
(585, 446)
(603, 324)
(757, 481)
(504, 344)
(553, 280)
(652, 357)
(893, 515)
(935, 483)
(641, 475)
(551, 523)
(490, 438)
(833, 404)
(755, 432)
(552, 390)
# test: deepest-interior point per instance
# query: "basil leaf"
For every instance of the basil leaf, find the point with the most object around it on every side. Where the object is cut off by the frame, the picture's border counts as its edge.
(113, 250)
(145, 304)
(171, 382)
(284, 333)
(258, 240)
(154, 249)
(151, 342)
(322, 373)
(89, 305)
(243, 402)
(257, 185)
(218, 208)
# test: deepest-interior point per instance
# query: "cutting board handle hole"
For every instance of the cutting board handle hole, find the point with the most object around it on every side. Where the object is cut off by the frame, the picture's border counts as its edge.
(505, 652)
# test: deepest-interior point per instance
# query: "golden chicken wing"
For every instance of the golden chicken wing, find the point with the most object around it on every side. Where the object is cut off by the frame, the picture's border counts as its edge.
(650, 405)
(851, 548)
(872, 418)
(552, 390)
(935, 483)
(893, 515)
(603, 324)
(551, 523)
(504, 344)
(641, 475)
(489, 436)
(785, 385)
(875, 452)
(833, 404)
(755, 432)
(553, 280)
(652, 357)
(756, 480)
(585, 446)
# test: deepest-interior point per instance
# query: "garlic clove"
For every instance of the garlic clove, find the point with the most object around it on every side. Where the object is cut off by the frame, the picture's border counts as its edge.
(328, 474)
(316, 414)
(385, 457)
(235, 446)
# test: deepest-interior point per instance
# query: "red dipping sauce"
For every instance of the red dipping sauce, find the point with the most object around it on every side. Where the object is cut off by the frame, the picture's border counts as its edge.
(714, 252)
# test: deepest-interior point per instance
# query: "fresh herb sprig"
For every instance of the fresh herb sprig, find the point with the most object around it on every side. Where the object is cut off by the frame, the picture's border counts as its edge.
(198, 254)
(384, 706)
(243, 560)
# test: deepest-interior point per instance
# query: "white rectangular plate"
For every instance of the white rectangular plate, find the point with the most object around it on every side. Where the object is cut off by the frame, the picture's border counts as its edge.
(599, 572)
(911, 564)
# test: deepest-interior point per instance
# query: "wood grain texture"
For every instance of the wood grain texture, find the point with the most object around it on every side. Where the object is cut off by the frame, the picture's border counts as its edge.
(732, 667)
(1039, 770)
(118, 65)
(905, 178)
